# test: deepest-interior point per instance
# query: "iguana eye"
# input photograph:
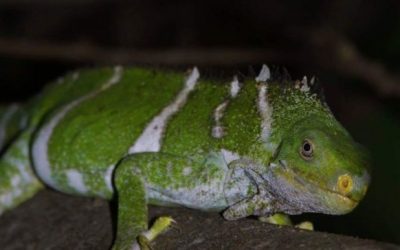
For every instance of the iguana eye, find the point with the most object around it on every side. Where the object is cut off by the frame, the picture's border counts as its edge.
(307, 150)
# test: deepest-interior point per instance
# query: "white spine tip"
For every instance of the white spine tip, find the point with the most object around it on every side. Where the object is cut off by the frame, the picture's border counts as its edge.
(75, 76)
(60, 80)
(235, 87)
(304, 81)
(193, 77)
(312, 81)
(264, 75)
(195, 71)
(304, 85)
(118, 69)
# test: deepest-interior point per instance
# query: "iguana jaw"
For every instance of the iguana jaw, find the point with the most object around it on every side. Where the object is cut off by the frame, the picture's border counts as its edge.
(305, 195)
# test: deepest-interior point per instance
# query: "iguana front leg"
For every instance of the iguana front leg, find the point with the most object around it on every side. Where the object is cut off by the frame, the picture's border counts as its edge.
(284, 220)
(132, 215)
(167, 179)
(260, 203)
(132, 205)
(252, 206)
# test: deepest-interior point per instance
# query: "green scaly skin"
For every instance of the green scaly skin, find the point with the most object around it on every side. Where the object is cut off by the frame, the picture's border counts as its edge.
(138, 136)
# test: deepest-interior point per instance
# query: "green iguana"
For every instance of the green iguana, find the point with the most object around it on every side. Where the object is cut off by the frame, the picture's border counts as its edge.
(259, 147)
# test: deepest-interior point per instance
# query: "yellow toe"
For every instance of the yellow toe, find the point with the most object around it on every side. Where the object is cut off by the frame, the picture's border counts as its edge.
(305, 225)
(159, 226)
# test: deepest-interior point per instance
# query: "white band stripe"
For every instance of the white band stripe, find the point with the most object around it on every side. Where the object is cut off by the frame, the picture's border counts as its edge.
(263, 106)
(150, 139)
(265, 111)
(218, 130)
(40, 147)
(75, 180)
(108, 177)
(304, 83)
(264, 74)
(235, 87)
(229, 156)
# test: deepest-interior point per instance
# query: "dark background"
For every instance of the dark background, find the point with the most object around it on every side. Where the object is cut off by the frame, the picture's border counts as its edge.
(352, 46)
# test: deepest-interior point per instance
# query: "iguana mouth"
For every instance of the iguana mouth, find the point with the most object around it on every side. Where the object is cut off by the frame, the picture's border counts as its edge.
(297, 176)
(332, 198)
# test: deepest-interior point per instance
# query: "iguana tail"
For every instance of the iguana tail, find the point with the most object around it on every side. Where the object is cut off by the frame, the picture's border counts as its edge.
(12, 122)
(18, 182)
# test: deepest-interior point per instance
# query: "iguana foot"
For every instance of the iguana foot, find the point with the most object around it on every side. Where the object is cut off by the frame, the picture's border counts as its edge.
(284, 220)
(277, 219)
(305, 225)
(159, 226)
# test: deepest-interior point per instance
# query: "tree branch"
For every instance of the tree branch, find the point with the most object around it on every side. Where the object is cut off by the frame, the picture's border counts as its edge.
(89, 53)
(330, 51)
(336, 52)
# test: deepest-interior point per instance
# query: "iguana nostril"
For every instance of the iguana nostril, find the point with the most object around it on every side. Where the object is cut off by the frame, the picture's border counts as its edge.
(345, 184)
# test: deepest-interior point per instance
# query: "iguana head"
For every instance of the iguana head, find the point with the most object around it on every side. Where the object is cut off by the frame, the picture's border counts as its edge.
(318, 169)
(317, 166)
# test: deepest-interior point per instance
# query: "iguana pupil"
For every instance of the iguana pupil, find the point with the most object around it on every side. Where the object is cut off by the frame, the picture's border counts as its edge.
(307, 149)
